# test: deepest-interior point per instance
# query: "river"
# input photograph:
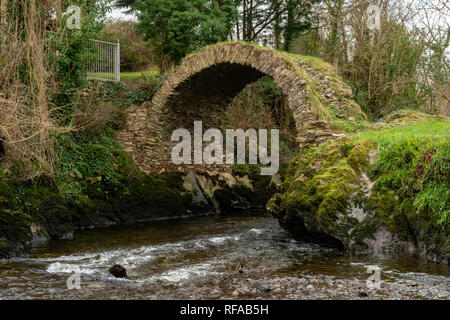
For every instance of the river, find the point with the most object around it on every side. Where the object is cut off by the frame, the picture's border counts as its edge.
(243, 256)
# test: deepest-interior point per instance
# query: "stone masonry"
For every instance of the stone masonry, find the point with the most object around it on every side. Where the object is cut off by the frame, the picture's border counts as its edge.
(204, 84)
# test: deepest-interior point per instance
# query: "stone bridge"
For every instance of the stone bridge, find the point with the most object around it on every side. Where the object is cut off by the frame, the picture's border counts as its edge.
(208, 80)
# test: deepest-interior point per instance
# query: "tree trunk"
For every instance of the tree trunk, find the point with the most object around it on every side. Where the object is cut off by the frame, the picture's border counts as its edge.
(334, 39)
(277, 26)
(249, 23)
(238, 32)
(58, 8)
(288, 36)
(244, 21)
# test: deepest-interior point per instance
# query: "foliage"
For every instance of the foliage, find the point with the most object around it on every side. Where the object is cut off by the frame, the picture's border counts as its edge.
(90, 162)
(73, 52)
(41, 79)
(299, 17)
(393, 72)
(176, 28)
(417, 168)
(138, 88)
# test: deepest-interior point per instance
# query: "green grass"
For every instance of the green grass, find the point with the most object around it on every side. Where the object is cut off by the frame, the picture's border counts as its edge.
(127, 76)
(137, 75)
(435, 128)
(100, 74)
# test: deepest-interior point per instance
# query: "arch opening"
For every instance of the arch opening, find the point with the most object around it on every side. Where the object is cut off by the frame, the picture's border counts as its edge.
(206, 95)
(233, 96)
(214, 85)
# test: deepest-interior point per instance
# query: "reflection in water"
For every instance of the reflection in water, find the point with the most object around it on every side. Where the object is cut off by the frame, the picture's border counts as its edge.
(175, 258)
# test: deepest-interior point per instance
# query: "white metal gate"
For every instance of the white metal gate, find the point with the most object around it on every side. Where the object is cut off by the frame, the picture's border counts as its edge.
(105, 61)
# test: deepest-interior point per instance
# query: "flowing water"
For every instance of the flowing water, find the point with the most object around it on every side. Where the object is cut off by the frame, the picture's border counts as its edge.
(193, 259)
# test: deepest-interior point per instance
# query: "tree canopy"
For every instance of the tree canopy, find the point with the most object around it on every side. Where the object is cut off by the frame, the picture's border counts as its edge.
(178, 27)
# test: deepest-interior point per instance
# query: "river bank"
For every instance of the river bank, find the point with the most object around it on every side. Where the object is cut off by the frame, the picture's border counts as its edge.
(40, 211)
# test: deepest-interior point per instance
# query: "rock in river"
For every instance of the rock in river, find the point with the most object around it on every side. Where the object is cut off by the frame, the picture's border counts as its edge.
(118, 271)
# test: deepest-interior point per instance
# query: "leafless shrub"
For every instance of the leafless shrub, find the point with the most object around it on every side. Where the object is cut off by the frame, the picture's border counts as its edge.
(29, 120)
(90, 112)
(404, 63)
(25, 83)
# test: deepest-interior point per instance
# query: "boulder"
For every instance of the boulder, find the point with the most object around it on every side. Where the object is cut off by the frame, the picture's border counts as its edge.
(118, 271)
(329, 199)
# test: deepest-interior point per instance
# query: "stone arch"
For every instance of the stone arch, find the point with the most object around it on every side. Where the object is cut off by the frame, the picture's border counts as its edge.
(288, 76)
(227, 68)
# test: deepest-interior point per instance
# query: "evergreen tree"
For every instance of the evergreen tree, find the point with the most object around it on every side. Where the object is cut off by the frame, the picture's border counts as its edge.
(178, 27)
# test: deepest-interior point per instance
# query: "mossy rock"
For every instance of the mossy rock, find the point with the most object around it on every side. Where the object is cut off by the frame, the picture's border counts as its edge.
(336, 194)
(48, 208)
(262, 187)
(14, 226)
(141, 198)
(9, 249)
(327, 191)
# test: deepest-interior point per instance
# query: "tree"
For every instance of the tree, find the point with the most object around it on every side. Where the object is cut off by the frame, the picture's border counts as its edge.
(335, 16)
(277, 24)
(273, 20)
(42, 75)
(135, 53)
(298, 19)
(178, 27)
(402, 63)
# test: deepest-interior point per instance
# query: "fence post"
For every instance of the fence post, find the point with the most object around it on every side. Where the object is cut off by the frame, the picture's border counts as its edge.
(117, 65)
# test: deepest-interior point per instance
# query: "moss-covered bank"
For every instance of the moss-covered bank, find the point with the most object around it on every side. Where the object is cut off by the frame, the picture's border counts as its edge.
(43, 206)
(41, 209)
(372, 194)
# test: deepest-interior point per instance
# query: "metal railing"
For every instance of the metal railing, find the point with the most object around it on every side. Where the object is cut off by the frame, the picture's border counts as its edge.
(104, 63)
